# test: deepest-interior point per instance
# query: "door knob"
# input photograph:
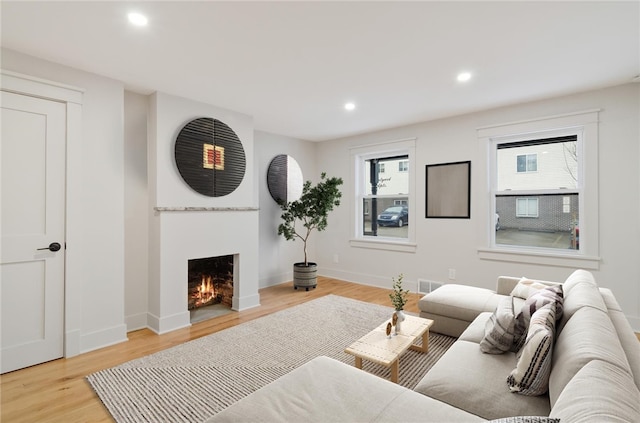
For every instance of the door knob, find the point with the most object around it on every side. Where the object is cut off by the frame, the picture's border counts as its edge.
(54, 246)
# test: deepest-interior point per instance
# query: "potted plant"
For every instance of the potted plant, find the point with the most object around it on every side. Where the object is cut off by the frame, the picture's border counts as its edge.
(302, 216)
(398, 299)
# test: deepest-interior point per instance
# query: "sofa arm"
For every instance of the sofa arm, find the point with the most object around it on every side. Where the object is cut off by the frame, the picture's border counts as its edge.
(506, 284)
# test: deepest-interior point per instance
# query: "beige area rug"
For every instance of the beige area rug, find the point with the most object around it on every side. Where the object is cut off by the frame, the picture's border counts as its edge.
(195, 380)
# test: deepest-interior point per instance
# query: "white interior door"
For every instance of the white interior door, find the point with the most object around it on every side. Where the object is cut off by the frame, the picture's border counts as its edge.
(32, 220)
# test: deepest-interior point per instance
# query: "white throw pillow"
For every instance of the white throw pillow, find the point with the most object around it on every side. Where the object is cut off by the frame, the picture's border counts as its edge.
(499, 329)
(526, 287)
(531, 375)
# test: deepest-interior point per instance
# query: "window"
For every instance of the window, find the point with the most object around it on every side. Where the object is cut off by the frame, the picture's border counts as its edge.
(527, 163)
(386, 197)
(383, 188)
(527, 207)
(566, 231)
(539, 204)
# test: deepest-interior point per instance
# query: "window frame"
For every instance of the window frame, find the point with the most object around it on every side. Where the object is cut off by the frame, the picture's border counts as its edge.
(584, 125)
(358, 192)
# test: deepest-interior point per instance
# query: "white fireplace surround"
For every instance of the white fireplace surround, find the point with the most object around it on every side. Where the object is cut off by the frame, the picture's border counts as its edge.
(184, 224)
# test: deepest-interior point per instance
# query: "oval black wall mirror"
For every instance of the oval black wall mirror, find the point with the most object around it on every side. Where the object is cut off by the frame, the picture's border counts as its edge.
(284, 179)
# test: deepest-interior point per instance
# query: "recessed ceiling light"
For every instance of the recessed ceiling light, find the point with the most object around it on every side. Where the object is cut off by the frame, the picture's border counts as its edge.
(349, 106)
(464, 76)
(137, 19)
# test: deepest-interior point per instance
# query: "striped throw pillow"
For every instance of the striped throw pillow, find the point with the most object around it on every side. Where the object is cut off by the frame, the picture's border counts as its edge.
(499, 329)
(531, 375)
(549, 295)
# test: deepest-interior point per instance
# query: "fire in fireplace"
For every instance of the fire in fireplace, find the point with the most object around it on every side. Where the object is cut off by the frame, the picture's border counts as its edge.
(210, 281)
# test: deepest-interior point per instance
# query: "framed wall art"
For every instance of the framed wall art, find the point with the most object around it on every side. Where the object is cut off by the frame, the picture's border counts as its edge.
(448, 190)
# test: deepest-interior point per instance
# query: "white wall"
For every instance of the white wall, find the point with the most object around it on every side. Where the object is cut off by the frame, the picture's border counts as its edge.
(445, 244)
(95, 214)
(136, 203)
(277, 255)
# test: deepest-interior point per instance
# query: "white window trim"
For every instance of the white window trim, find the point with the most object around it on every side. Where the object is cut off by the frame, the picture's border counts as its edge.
(358, 156)
(585, 124)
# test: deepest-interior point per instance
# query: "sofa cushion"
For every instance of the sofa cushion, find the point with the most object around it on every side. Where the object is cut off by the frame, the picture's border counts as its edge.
(470, 380)
(581, 293)
(549, 295)
(578, 277)
(459, 301)
(588, 335)
(531, 375)
(475, 331)
(599, 392)
(499, 329)
(326, 390)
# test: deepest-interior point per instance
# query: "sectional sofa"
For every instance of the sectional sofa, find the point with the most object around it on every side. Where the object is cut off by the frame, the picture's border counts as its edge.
(593, 367)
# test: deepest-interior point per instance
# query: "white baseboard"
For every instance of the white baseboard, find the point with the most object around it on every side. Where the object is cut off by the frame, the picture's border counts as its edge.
(244, 303)
(102, 338)
(365, 279)
(162, 325)
(72, 343)
(274, 280)
(136, 321)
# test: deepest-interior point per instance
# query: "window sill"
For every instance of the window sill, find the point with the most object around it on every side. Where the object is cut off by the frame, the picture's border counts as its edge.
(384, 244)
(546, 258)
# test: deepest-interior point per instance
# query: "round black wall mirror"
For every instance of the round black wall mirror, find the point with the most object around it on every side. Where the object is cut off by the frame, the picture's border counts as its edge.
(284, 179)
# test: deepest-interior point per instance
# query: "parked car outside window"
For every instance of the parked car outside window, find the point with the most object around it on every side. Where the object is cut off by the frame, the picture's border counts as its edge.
(394, 216)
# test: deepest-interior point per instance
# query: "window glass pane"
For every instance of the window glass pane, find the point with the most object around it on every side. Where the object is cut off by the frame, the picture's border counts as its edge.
(537, 165)
(387, 217)
(547, 221)
(383, 176)
(532, 162)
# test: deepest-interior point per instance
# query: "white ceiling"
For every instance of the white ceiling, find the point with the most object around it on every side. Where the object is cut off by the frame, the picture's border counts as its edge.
(293, 65)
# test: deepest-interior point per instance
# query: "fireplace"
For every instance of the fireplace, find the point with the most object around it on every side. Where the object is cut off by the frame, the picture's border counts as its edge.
(210, 282)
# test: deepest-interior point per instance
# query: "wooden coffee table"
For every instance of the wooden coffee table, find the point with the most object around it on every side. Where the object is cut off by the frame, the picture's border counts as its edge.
(377, 347)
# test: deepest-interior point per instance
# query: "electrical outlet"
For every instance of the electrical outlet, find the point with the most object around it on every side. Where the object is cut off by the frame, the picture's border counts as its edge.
(452, 274)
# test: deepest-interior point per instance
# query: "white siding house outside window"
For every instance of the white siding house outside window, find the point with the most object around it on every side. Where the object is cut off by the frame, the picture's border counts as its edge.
(537, 195)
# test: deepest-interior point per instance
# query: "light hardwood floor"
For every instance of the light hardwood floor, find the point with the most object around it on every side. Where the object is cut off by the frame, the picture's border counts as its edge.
(58, 392)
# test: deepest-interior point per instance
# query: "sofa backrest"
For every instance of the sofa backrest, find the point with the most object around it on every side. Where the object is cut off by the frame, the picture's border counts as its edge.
(625, 333)
(505, 284)
(599, 392)
(580, 290)
(585, 333)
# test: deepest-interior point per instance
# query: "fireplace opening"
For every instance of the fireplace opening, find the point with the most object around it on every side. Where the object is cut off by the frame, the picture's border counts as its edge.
(210, 284)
